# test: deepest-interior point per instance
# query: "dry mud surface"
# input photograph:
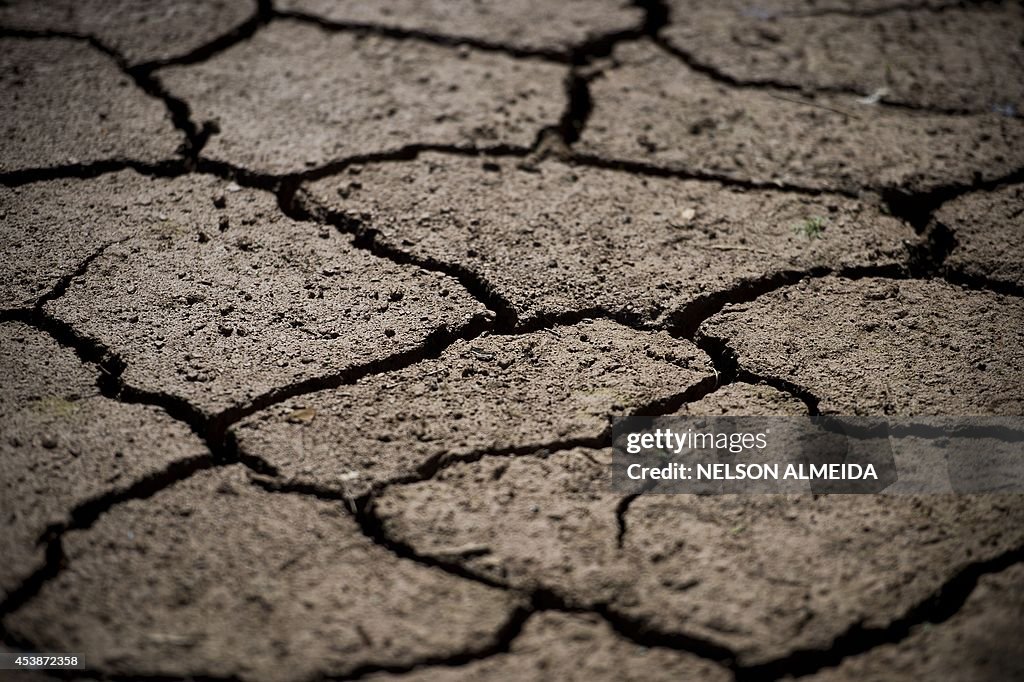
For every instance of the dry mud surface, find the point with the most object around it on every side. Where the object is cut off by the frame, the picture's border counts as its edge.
(955, 58)
(139, 31)
(314, 318)
(650, 109)
(528, 26)
(66, 103)
(275, 114)
(552, 238)
(986, 229)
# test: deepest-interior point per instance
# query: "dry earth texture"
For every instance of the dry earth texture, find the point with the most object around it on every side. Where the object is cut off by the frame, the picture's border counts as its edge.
(314, 316)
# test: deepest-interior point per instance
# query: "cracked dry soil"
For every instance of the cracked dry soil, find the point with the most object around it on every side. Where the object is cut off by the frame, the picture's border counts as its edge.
(314, 317)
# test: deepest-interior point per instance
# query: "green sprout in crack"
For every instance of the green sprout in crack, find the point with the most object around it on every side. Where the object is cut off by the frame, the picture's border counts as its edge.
(812, 228)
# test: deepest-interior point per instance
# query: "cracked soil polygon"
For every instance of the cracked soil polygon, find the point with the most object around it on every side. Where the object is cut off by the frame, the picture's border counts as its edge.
(530, 25)
(66, 103)
(653, 110)
(977, 644)
(554, 238)
(279, 110)
(864, 560)
(965, 59)
(527, 521)
(877, 346)
(987, 228)
(220, 305)
(139, 30)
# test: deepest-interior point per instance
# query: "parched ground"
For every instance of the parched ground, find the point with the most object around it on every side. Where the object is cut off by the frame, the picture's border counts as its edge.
(315, 315)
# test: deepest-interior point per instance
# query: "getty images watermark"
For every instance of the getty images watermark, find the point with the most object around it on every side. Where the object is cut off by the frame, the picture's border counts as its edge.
(710, 455)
